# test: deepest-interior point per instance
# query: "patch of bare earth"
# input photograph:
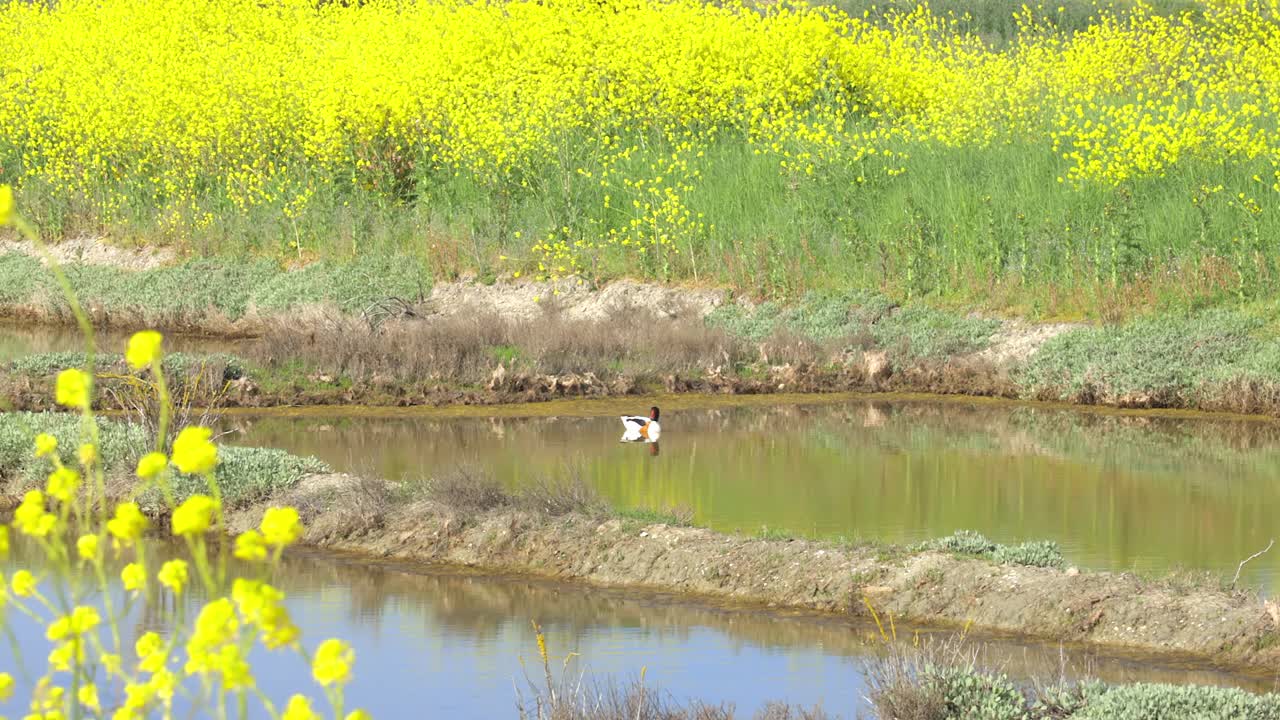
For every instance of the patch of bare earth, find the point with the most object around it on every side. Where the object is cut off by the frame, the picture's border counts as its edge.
(1119, 610)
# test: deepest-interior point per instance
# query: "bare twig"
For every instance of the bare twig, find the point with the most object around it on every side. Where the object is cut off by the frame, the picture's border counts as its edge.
(1251, 557)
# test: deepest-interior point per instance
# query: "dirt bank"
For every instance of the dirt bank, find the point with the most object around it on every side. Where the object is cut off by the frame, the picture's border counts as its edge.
(1235, 629)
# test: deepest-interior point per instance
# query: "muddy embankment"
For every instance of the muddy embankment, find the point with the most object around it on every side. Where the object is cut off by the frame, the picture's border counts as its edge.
(1235, 629)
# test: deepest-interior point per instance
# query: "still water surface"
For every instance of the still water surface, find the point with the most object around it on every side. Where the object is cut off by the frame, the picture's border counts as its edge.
(1115, 491)
(435, 642)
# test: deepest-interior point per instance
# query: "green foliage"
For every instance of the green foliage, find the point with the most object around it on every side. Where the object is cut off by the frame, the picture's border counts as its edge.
(120, 447)
(248, 474)
(1168, 358)
(47, 363)
(918, 332)
(654, 517)
(170, 296)
(818, 315)
(1041, 553)
(1147, 701)
(972, 695)
(244, 474)
(351, 286)
(913, 332)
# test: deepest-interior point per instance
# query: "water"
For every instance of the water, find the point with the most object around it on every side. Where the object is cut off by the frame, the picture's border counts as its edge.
(19, 340)
(435, 642)
(1123, 492)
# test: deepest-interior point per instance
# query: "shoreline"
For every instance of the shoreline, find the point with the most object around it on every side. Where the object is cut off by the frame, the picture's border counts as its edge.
(1235, 631)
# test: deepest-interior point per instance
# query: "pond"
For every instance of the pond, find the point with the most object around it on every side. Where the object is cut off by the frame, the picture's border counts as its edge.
(442, 642)
(1146, 492)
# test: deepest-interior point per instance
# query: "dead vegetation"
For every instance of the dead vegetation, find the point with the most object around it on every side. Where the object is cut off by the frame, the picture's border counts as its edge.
(470, 348)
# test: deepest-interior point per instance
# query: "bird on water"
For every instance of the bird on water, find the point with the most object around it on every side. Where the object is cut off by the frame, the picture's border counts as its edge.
(640, 428)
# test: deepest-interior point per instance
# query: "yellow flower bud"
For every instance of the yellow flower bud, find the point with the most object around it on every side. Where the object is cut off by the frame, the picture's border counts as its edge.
(88, 696)
(6, 205)
(151, 464)
(46, 444)
(72, 389)
(143, 349)
(88, 454)
(23, 583)
(87, 547)
(250, 546)
(193, 452)
(133, 577)
(281, 526)
(128, 524)
(173, 575)
(62, 484)
(193, 516)
(299, 708)
(332, 663)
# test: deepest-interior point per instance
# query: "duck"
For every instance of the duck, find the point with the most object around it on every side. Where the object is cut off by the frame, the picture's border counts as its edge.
(642, 429)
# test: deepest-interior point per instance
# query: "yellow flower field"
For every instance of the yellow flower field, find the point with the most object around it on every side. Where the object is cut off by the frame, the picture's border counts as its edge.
(660, 138)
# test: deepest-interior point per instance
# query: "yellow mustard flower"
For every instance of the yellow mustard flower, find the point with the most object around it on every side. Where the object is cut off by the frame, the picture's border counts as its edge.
(6, 686)
(62, 484)
(81, 620)
(46, 444)
(263, 605)
(72, 388)
(151, 464)
(193, 516)
(151, 652)
(128, 524)
(32, 518)
(193, 453)
(6, 205)
(359, 714)
(332, 663)
(133, 577)
(4, 542)
(23, 583)
(281, 526)
(173, 575)
(88, 454)
(299, 708)
(143, 348)
(163, 683)
(88, 696)
(250, 546)
(87, 546)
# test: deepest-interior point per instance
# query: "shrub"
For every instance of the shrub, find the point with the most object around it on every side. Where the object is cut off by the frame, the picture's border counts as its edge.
(1042, 553)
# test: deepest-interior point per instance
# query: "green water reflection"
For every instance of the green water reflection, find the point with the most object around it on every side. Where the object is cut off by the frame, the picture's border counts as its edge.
(1115, 491)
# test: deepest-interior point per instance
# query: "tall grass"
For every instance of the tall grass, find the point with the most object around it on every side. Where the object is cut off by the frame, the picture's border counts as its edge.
(1076, 161)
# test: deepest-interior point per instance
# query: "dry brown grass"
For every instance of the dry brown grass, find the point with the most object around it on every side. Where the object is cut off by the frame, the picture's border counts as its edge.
(471, 493)
(468, 348)
(468, 492)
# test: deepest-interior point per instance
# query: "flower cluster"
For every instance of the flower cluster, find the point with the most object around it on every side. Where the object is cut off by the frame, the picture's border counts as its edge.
(90, 671)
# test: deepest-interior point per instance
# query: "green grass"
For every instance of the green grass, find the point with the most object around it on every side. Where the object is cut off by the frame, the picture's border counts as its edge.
(649, 516)
(244, 474)
(1173, 359)
(227, 286)
(984, 227)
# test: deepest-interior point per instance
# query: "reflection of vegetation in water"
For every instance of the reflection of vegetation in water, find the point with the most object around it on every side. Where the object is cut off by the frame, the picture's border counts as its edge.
(1113, 490)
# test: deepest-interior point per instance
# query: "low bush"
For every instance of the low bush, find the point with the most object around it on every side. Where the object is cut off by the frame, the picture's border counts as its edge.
(1040, 553)
(244, 474)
